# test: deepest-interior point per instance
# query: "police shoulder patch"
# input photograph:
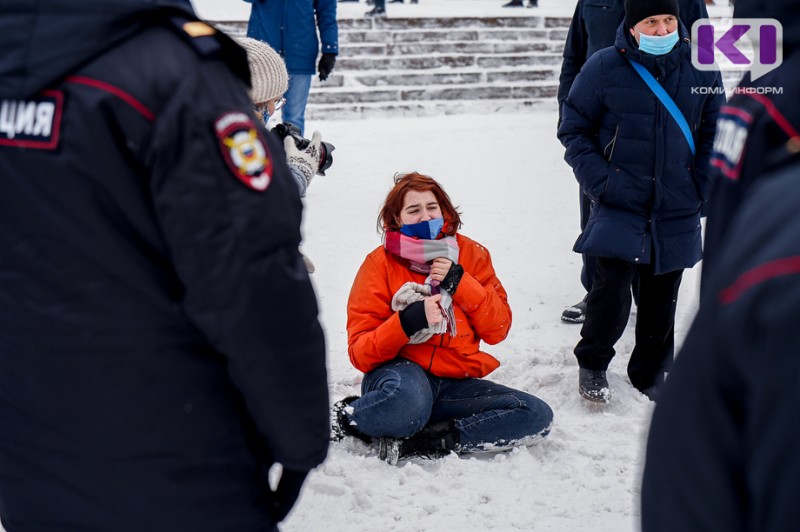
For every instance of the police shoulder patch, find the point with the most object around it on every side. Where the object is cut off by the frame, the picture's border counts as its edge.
(32, 123)
(244, 150)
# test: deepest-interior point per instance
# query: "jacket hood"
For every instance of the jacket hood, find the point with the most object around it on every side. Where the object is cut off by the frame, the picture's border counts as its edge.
(43, 40)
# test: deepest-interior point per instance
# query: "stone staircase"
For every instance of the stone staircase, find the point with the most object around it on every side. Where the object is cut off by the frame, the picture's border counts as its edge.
(432, 66)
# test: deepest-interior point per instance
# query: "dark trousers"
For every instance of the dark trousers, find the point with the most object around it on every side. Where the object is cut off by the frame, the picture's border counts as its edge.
(607, 309)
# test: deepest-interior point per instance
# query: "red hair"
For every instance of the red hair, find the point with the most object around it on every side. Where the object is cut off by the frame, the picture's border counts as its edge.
(389, 217)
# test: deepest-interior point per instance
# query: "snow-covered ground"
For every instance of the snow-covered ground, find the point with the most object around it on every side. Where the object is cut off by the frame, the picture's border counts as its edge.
(518, 198)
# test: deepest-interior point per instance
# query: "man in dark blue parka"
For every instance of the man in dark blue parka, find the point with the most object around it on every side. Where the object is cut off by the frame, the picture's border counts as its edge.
(633, 161)
(594, 27)
(159, 343)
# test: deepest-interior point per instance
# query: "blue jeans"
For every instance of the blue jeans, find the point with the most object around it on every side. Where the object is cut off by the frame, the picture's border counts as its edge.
(400, 398)
(294, 110)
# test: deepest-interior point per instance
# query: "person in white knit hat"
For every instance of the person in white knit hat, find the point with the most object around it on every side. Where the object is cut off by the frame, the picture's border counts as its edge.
(268, 76)
(269, 80)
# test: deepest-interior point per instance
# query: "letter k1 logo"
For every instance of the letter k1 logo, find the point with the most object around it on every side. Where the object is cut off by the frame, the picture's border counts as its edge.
(754, 44)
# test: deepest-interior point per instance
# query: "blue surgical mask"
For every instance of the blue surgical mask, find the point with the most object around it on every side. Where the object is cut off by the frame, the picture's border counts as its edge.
(655, 45)
(425, 230)
(265, 116)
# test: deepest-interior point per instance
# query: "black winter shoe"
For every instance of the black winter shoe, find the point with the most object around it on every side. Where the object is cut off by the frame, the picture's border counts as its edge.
(376, 12)
(514, 3)
(576, 313)
(593, 385)
(434, 441)
(341, 425)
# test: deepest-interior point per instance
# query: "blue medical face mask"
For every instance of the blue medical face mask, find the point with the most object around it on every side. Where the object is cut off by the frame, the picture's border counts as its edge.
(425, 230)
(655, 45)
(265, 116)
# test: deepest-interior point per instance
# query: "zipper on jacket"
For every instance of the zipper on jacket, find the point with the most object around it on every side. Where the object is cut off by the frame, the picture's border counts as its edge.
(433, 353)
(613, 144)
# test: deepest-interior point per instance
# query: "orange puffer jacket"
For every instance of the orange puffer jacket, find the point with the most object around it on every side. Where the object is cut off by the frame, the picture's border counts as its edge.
(374, 333)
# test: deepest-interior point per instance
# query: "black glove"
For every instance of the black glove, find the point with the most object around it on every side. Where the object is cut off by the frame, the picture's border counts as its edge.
(285, 495)
(413, 319)
(453, 277)
(325, 66)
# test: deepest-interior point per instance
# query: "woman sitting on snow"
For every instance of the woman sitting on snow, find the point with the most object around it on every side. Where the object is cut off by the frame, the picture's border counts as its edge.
(419, 307)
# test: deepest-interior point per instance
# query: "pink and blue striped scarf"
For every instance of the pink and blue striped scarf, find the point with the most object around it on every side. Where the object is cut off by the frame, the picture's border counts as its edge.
(418, 254)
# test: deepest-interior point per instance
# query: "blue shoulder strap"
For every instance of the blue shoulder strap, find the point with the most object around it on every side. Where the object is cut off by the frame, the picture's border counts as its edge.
(668, 102)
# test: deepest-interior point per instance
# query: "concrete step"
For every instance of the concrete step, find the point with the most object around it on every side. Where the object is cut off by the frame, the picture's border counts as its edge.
(466, 34)
(460, 77)
(425, 62)
(464, 92)
(452, 22)
(349, 111)
(448, 47)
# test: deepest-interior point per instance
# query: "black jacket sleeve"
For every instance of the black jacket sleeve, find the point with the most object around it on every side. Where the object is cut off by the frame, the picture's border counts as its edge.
(235, 249)
(575, 48)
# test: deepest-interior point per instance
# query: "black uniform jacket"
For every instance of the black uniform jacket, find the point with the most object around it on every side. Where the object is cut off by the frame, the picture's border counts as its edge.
(722, 450)
(159, 340)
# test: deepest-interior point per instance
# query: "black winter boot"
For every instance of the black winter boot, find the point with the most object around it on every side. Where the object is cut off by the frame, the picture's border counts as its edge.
(514, 3)
(576, 313)
(434, 441)
(341, 425)
(593, 385)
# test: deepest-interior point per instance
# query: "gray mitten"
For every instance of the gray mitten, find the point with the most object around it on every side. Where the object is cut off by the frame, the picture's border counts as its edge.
(409, 293)
(306, 161)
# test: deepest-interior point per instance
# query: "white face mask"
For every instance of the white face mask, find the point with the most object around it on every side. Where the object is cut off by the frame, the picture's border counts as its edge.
(655, 45)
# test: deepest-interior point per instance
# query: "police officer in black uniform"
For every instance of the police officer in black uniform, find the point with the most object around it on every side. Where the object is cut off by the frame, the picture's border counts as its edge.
(757, 132)
(722, 446)
(160, 348)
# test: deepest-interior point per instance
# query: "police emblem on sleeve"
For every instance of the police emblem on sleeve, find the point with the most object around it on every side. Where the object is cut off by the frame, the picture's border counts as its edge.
(244, 150)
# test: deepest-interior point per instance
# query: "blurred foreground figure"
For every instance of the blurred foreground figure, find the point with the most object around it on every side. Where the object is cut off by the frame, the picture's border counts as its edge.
(758, 131)
(722, 450)
(159, 342)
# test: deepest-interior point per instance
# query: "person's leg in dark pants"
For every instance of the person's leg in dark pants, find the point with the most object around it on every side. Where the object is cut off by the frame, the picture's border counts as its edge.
(655, 327)
(577, 312)
(608, 309)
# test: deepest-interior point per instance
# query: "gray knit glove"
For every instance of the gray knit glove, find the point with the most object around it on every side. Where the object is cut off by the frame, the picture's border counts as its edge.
(307, 160)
